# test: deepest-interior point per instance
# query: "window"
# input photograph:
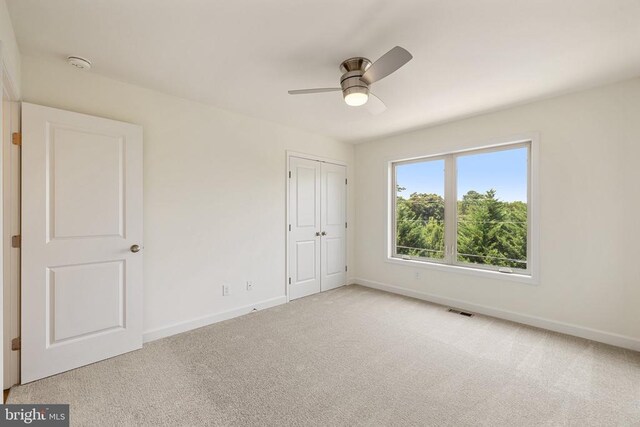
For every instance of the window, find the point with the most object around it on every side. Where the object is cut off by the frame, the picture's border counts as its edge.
(420, 216)
(467, 209)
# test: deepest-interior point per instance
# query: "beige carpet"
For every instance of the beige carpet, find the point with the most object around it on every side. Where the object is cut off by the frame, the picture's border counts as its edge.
(354, 356)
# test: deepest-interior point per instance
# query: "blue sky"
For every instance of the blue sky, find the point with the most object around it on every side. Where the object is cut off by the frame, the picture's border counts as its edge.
(505, 171)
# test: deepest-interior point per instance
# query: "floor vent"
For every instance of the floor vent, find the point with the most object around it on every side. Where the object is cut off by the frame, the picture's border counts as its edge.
(461, 313)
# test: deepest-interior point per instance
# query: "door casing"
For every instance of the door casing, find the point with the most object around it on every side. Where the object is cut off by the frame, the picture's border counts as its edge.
(10, 214)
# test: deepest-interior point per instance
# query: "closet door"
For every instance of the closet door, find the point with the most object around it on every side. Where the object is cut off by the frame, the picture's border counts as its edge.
(333, 226)
(304, 223)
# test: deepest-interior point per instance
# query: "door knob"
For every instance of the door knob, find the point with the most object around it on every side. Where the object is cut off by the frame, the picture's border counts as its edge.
(317, 233)
(135, 248)
(324, 233)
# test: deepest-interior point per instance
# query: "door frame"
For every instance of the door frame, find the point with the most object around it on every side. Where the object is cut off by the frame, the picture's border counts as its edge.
(313, 157)
(10, 204)
(11, 181)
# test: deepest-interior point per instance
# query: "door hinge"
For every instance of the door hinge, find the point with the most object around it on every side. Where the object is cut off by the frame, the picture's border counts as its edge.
(345, 268)
(289, 174)
(345, 225)
(289, 280)
(289, 227)
(16, 343)
(345, 181)
(16, 241)
(16, 138)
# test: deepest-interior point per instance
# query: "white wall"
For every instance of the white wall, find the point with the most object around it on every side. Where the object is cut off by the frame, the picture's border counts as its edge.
(589, 205)
(214, 192)
(9, 49)
(215, 201)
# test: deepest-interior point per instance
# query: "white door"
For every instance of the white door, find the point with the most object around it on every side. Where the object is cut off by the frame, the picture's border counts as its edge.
(304, 233)
(333, 230)
(317, 235)
(81, 222)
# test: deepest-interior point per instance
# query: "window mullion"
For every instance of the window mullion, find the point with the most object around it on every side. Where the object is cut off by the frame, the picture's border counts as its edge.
(450, 210)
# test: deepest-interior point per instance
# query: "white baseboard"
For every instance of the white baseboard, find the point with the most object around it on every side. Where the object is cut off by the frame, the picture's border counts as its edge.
(539, 322)
(209, 319)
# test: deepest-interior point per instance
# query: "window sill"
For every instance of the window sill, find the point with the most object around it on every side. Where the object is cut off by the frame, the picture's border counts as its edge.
(510, 277)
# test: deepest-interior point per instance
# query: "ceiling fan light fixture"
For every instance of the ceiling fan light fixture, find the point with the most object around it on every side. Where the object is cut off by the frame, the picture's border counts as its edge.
(359, 74)
(356, 96)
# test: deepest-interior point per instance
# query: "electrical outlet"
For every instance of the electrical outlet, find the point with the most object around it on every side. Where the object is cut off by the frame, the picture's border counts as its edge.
(225, 290)
(417, 276)
(249, 285)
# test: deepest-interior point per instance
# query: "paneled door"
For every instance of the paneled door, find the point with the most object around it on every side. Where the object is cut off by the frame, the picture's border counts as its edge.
(333, 235)
(317, 226)
(304, 229)
(81, 240)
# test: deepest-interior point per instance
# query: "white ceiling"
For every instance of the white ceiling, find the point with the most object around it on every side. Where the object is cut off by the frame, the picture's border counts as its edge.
(470, 56)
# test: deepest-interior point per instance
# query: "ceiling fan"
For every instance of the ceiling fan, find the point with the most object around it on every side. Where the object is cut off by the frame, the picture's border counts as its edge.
(359, 74)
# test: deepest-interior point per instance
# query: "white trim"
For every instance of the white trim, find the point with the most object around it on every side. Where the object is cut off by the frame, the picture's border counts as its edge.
(11, 256)
(313, 157)
(531, 276)
(450, 210)
(11, 92)
(209, 319)
(469, 271)
(533, 207)
(287, 183)
(9, 86)
(471, 145)
(5, 92)
(538, 322)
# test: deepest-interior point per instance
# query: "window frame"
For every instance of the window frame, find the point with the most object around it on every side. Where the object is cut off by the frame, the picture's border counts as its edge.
(394, 184)
(450, 261)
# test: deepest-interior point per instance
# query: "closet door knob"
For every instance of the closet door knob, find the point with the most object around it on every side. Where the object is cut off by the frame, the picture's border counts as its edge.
(135, 248)
(317, 233)
(324, 233)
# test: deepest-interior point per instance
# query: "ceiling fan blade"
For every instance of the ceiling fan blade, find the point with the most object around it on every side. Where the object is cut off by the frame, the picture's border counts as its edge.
(319, 90)
(387, 64)
(375, 105)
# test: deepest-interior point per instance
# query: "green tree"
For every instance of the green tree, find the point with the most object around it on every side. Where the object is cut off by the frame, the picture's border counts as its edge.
(420, 228)
(409, 231)
(491, 231)
(427, 206)
(472, 198)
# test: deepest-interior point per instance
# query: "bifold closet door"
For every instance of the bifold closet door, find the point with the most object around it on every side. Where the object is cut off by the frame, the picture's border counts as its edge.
(333, 192)
(304, 222)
